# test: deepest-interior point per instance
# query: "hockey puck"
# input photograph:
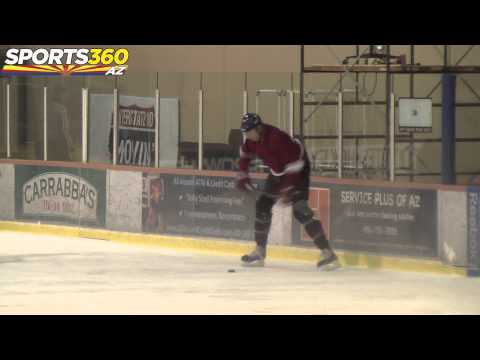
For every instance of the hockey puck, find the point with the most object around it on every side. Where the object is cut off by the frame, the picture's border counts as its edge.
(231, 270)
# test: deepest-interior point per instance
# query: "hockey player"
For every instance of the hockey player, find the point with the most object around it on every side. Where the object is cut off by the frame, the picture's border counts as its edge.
(288, 181)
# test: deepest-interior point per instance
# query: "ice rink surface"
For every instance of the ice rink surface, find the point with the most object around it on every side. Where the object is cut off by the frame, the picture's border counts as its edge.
(42, 274)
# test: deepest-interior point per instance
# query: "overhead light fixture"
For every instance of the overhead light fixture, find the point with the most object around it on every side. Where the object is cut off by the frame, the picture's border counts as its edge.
(377, 54)
(378, 50)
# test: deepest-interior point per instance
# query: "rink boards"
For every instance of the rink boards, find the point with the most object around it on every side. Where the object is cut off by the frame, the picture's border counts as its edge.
(371, 221)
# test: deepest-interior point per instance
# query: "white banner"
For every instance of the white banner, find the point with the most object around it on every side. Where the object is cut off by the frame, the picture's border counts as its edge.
(169, 132)
(7, 191)
(136, 140)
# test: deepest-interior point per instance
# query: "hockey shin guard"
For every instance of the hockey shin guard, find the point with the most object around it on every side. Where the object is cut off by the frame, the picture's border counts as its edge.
(313, 227)
(263, 220)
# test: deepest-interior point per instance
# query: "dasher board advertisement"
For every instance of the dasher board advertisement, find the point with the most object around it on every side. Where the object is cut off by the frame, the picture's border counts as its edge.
(66, 195)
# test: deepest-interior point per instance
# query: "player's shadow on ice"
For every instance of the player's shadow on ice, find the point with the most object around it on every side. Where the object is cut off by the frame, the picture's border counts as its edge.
(32, 257)
(10, 259)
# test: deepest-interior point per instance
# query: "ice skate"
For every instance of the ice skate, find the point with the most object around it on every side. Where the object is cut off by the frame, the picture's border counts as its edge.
(329, 261)
(255, 259)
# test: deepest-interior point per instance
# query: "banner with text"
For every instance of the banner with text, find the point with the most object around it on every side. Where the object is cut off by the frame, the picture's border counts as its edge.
(66, 195)
(381, 220)
(136, 130)
(473, 228)
(197, 205)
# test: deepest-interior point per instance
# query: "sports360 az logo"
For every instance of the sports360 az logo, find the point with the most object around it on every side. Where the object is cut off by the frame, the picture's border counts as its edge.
(94, 61)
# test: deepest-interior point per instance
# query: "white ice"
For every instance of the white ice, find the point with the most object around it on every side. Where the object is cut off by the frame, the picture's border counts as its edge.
(42, 274)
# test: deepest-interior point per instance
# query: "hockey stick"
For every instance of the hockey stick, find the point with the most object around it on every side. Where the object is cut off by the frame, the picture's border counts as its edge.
(264, 193)
(276, 198)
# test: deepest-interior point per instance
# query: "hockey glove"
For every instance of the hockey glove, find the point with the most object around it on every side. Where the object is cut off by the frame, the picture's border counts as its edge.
(243, 183)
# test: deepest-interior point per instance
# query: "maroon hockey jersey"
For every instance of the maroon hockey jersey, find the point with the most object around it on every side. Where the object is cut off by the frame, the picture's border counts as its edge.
(285, 156)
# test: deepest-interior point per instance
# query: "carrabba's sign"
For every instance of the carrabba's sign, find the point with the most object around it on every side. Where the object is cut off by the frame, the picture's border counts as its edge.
(60, 194)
